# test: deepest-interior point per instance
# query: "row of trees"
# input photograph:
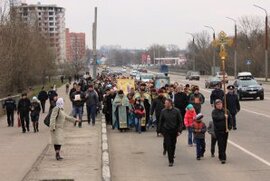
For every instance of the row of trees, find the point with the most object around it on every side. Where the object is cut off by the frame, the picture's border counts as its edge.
(26, 58)
(118, 56)
(250, 46)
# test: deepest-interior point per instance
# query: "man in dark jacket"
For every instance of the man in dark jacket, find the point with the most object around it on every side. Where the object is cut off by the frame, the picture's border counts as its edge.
(170, 126)
(197, 99)
(42, 97)
(158, 106)
(78, 99)
(24, 106)
(233, 104)
(92, 102)
(10, 106)
(51, 94)
(221, 130)
(217, 93)
(107, 109)
(181, 101)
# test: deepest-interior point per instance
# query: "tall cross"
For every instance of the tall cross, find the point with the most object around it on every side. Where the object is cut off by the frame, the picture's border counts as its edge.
(221, 42)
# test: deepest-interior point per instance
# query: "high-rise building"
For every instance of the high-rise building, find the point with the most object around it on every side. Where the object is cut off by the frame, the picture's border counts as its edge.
(50, 20)
(75, 46)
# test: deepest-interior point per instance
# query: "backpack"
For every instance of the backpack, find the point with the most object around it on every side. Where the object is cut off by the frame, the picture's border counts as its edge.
(47, 119)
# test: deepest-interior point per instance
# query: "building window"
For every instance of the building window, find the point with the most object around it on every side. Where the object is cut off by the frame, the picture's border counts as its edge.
(51, 18)
(50, 13)
(51, 29)
(51, 24)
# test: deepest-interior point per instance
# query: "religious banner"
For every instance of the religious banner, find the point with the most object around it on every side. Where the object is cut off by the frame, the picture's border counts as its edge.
(125, 85)
(161, 82)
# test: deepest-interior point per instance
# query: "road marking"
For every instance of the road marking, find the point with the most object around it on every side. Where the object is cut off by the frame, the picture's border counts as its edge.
(253, 112)
(249, 153)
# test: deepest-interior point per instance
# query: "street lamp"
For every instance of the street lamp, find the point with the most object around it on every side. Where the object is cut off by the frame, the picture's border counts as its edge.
(193, 45)
(266, 40)
(214, 49)
(235, 45)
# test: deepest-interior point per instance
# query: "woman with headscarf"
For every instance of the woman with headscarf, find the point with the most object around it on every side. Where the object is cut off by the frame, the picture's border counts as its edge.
(35, 112)
(57, 121)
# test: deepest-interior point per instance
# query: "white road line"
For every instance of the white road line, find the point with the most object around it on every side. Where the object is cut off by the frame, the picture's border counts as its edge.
(253, 112)
(249, 153)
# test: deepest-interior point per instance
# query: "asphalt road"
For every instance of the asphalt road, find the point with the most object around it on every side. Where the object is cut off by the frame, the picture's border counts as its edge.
(139, 157)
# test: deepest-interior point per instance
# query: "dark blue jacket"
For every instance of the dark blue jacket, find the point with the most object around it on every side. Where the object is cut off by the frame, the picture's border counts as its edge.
(233, 104)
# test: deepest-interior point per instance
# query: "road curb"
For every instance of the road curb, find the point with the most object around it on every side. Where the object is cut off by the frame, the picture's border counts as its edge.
(105, 157)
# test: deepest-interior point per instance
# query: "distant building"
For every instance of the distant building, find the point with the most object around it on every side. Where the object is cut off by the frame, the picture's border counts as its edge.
(50, 20)
(75, 46)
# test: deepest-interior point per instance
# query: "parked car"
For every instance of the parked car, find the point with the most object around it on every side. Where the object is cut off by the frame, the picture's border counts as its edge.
(133, 73)
(244, 75)
(211, 82)
(220, 76)
(142, 70)
(123, 70)
(249, 88)
(191, 75)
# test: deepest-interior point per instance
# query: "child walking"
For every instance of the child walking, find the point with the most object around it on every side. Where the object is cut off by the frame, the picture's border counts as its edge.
(139, 113)
(188, 120)
(35, 112)
(199, 130)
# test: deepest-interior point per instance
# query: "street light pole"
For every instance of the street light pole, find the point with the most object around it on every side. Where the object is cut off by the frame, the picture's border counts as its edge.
(235, 46)
(214, 49)
(193, 45)
(95, 45)
(266, 40)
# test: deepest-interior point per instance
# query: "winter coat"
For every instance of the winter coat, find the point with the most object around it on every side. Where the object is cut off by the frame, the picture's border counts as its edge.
(181, 101)
(157, 106)
(92, 98)
(211, 129)
(78, 103)
(218, 117)
(233, 104)
(35, 108)
(139, 111)
(216, 94)
(24, 106)
(57, 125)
(170, 121)
(197, 100)
(52, 94)
(42, 96)
(189, 117)
(199, 130)
(9, 104)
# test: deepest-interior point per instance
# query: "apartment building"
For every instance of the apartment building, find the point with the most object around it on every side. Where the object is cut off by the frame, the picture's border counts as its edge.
(50, 20)
(75, 46)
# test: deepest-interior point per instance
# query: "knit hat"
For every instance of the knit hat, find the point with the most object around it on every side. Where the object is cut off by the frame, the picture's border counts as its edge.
(190, 106)
(199, 116)
(218, 101)
(35, 99)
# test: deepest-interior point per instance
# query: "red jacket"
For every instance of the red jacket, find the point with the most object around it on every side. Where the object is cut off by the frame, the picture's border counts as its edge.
(189, 117)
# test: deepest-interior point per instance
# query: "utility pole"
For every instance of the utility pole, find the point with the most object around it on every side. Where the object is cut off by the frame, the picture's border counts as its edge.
(193, 47)
(95, 45)
(214, 50)
(235, 46)
(266, 40)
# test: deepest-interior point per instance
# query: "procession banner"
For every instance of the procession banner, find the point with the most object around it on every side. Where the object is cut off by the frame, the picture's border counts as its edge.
(125, 85)
(161, 82)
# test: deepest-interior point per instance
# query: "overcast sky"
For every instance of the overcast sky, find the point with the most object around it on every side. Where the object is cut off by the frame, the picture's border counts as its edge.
(140, 23)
